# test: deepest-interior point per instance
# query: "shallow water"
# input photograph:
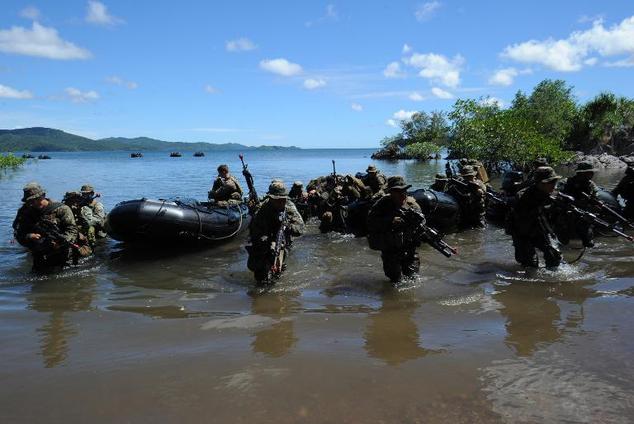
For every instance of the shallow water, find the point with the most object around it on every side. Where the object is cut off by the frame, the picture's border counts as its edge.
(146, 336)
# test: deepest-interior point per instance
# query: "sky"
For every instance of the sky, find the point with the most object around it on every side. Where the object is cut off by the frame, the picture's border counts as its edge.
(305, 73)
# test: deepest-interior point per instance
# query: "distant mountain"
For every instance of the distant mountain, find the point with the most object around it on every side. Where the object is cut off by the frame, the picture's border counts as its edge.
(51, 140)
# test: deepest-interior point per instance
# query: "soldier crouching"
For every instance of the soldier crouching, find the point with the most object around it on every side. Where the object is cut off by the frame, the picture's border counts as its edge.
(46, 228)
(387, 228)
(271, 231)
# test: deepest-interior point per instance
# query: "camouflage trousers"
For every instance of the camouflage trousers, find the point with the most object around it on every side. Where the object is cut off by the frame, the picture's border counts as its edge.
(399, 263)
(260, 262)
(526, 253)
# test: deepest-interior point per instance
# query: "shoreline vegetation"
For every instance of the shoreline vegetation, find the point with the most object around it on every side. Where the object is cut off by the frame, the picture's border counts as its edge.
(547, 123)
(10, 161)
(39, 139)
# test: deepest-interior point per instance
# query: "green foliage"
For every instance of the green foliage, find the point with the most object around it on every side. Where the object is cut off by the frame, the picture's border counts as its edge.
(426, 128)
(422, 150)
(10, 161)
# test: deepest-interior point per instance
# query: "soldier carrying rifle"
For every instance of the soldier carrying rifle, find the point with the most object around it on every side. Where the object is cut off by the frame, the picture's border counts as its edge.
(47, 229)
(397, 227)
(271, 231)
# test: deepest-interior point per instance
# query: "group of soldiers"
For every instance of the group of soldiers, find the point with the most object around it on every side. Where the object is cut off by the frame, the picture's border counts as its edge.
(59, 232)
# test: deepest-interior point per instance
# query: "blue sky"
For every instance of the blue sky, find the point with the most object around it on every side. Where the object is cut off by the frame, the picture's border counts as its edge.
(304, 73)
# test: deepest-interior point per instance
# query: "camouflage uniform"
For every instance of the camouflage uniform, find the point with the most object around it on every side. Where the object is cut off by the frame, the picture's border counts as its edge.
(334, 214)
(387, 234)
(625, 188)
(440, 184)
(300, 198)
(576, 186)
(264, 228)
(56, 218)
(472, 199)
(531, 225)
(374, 180)
(225, 188)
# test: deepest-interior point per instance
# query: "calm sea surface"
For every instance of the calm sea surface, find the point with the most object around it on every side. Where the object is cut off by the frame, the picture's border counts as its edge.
(182, 336)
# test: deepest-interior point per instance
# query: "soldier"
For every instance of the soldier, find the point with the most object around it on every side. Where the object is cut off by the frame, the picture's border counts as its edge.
(225, 186)
(46, 228)
(579, 186)
(334, 212)
(387, 228)
(93, 211)
(440, 183)
(530, 223)
(471, 196)
(265, 228)
(374, 179)
(625, 188)
(297, 191)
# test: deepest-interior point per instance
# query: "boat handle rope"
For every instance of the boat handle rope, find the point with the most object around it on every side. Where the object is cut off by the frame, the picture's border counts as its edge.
(147, 226)
(200, 224)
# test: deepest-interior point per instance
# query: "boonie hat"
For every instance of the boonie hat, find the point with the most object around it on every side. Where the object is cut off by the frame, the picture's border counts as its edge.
(540, 162)
(32, 191)
(87, 188)
(397, 183)
(441, 177)
(298, 184)
(545, 174)
(467, 170)
(277, 190)
(371, 169)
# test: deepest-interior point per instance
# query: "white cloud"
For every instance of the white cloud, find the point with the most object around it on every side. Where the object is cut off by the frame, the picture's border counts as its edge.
(356, 107)
(240, 45)
(211, 89)
(31, 12)
(78, 96)
(131, 85)
(571, 54)
(425, 11)
(416, 96)
(625, 63)
(12, 93)
(504, 77)
(331, 15)
(403, 115)
(437, 67)
(281, 67)
(406, 49)
(393, 70)
(97, 13)
(39, 41)
(441, 94)
(591, 61)
(312, 84)
(391, 123)
(490, 101)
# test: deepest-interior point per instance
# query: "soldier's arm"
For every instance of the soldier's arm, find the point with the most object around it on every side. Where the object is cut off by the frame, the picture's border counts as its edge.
(99, 213)
(68, 227)
(295, 219)
(238, 188)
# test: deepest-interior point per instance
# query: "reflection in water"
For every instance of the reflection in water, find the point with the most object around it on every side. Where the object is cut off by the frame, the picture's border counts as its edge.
(279, 338)
(392, 334)
(58, 298)
(533, 315)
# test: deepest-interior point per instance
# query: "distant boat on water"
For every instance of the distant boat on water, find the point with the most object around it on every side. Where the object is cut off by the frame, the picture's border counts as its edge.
(199, 154)
(43, 157)
(136, 155)
(28, 156)
(175, 154)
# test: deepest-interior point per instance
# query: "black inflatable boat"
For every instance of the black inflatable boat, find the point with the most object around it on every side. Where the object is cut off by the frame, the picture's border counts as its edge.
(441, 209)
(176, 221)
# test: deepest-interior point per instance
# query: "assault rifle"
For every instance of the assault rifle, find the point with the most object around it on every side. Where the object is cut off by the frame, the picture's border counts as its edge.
(490, 193)
(253, 195)
(415, 221)
(279, 249)
(608, 209)
(567, 203)
(334, 174)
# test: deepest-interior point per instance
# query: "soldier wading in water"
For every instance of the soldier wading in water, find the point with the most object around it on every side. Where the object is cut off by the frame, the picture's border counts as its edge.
(271, 231)
(47, 229)
(388, 231)
(530, 221)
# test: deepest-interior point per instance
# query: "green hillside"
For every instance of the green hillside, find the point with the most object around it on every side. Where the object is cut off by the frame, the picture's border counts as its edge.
(51, 140)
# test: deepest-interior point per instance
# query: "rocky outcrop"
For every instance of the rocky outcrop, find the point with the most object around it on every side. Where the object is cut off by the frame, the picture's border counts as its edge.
(602, 161)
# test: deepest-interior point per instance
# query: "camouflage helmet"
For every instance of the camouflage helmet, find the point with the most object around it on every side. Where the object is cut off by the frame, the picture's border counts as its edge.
(441, 177)
(298, 184)
(277, 190)
(87, 188)
(32, 191)
(540, 162)
(584, 167)
(468, 170)
(397, 183)
(72, 195)
(545, 174)
(371, 169)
